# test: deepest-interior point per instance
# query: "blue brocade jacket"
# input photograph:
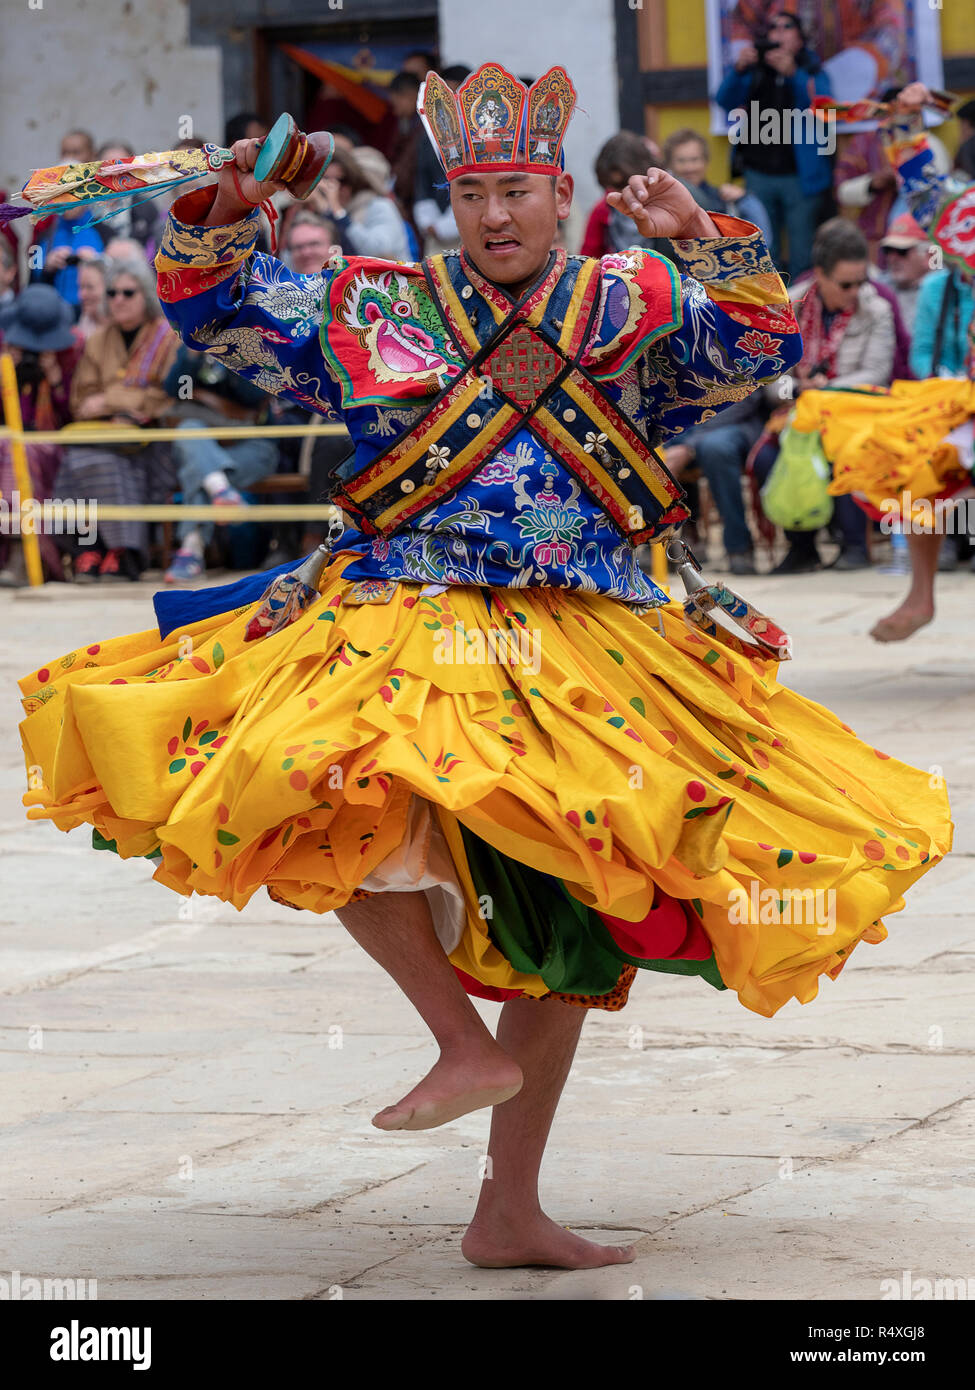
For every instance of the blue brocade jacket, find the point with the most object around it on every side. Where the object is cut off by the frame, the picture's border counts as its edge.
(364, 341)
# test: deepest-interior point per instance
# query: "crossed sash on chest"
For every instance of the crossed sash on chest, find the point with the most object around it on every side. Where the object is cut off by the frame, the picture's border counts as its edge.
(524, 372)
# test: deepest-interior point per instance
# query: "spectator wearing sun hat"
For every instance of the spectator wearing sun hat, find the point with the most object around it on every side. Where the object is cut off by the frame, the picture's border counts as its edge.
(37, 330)
(907, 254)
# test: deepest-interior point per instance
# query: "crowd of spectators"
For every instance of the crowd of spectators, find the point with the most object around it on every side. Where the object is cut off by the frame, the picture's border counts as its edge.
(79, 314)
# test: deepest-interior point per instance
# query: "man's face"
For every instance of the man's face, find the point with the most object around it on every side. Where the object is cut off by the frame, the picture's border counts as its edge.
(416, 65)
(784, 34)
(507, 222)
(75, 149)
(907, 265)
(309, 248)
(404, 103)
(839, 288)
(689, 161)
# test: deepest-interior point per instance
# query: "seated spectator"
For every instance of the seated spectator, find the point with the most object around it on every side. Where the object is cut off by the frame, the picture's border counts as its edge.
(37, 331)
(686, 155)
(908, 260)
(719, 450)
(365, 217)
(848, 340)
(138, 221)
(309, 242)
(624, 154)
(211, 470)
(119, 379)
(91, 296)
(432, 214)
(945, 309)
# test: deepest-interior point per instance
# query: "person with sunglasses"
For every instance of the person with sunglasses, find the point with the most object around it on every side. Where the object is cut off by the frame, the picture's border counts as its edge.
(909, 260)
(937, 416)
(848, 339)
(119, 379)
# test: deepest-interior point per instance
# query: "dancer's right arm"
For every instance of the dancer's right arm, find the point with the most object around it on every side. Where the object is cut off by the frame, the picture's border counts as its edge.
(224, 297)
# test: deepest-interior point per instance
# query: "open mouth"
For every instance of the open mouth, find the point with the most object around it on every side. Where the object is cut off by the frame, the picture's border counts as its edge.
(501, 245)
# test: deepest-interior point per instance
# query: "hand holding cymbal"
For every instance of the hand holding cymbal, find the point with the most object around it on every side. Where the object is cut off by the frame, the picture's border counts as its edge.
(286, 159)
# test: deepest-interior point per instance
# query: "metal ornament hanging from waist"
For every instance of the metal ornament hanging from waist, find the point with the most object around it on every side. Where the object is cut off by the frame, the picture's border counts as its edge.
(525, 375)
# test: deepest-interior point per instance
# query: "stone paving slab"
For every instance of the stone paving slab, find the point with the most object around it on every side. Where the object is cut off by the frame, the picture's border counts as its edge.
(191, 1120)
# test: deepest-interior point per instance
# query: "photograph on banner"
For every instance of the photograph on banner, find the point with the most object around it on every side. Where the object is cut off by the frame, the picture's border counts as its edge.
(863, 47)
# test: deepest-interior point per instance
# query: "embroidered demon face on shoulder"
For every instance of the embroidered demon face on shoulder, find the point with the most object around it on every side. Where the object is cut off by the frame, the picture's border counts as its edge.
(955, 230)
(404, 344)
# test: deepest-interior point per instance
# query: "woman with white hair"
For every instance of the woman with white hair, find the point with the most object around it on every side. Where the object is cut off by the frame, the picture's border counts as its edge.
(119, 380)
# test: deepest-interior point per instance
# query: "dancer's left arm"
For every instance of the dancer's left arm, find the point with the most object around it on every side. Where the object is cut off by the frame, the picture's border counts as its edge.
(717, 323)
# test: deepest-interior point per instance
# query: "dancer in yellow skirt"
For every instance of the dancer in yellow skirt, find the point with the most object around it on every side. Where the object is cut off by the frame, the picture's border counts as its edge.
(474, 728)
(907, 452)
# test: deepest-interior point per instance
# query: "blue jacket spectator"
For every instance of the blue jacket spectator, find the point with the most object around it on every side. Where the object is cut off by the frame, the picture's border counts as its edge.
(945, 306)
(740, 88)
(67, 237)
(790, 173)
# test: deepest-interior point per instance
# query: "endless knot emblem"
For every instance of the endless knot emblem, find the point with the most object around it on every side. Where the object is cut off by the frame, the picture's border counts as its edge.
(523, 366)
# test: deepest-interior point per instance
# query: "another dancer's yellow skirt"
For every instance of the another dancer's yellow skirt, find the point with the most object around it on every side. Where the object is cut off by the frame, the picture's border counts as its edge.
(890, 446)
(615, 791)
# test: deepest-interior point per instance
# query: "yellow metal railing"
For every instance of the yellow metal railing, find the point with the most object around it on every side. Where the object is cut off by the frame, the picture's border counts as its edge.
(52, 511)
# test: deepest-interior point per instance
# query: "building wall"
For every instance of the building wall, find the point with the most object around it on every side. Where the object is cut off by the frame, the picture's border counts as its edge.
(581, 37)
(120, 68)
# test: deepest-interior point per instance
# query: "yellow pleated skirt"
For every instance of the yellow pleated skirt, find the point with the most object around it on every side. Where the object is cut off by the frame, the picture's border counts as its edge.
(891, 447)
(615, 751)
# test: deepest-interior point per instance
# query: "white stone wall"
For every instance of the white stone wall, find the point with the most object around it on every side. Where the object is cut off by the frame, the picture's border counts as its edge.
(120, 68)
(528, 37)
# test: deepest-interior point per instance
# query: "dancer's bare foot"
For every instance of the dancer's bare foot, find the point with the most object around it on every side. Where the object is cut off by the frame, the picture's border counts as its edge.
(453, 1086)
(505, 1244)
(902, 623)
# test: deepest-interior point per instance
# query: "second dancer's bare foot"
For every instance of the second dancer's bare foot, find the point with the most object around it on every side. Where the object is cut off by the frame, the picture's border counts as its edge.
(452, 1087)
(902, 623)
(506, 1244)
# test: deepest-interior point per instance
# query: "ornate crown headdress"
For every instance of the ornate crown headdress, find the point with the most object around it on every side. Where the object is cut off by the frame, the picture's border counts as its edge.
(496, 123)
